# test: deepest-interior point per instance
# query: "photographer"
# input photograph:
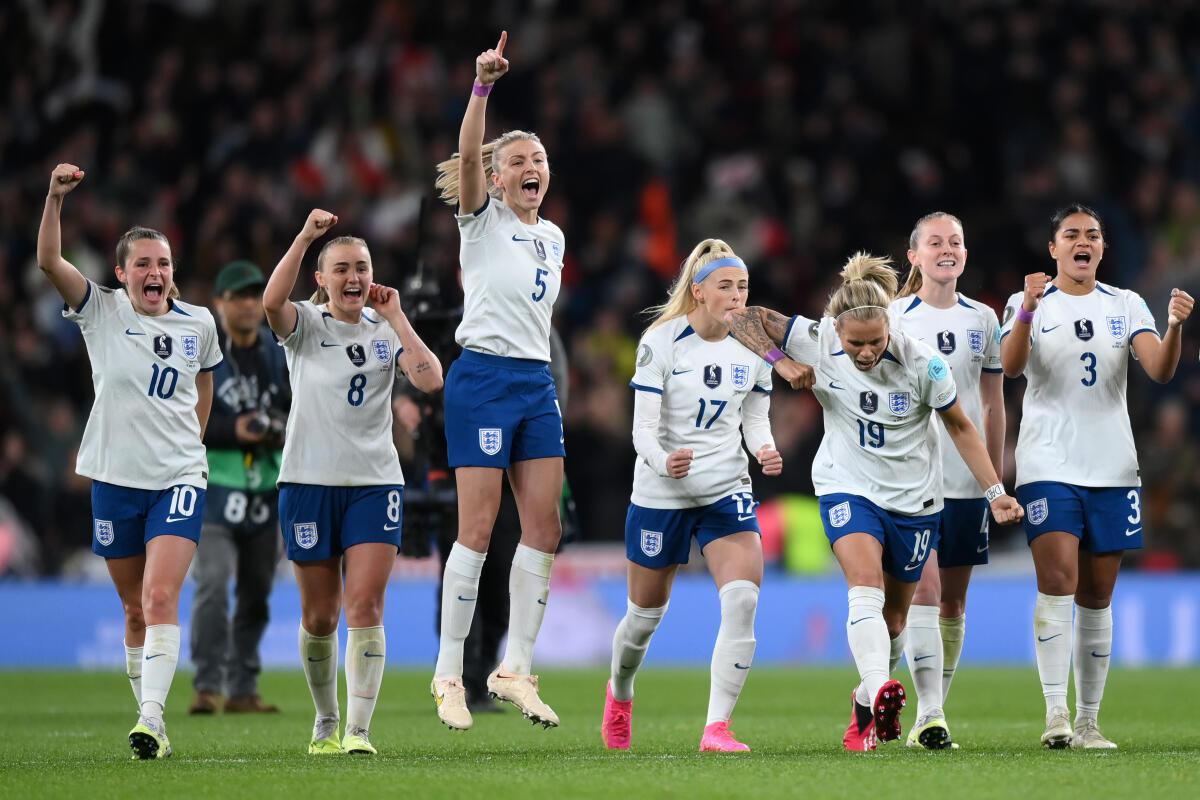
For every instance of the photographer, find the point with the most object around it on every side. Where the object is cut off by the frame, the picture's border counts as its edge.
(240, 536)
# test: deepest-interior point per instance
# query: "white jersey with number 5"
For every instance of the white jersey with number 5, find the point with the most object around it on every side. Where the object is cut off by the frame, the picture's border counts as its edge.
(143, 432)
(339, 431)
(703, 385)
(511, 273)
(967, 335)
(877, 442)
(1074, 418)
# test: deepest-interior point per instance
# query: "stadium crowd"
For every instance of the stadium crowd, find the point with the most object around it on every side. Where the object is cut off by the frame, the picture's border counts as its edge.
(795, 137)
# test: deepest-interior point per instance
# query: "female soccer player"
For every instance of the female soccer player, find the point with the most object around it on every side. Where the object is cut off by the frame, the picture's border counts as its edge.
(967, 335)
(340, 484)
(501, 408)
(879, 488)
(152, 358)
(697, 393)
(1077, 471)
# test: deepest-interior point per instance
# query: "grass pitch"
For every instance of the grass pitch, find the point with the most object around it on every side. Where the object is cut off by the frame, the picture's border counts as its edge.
(62, 734)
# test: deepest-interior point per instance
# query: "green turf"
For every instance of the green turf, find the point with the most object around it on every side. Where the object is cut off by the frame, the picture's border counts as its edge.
(63, 735)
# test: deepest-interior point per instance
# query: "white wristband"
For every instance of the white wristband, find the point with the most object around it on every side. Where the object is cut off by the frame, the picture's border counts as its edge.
(994, 491)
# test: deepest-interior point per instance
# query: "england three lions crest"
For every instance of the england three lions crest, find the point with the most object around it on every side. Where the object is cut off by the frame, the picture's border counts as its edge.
(191, 347)
(1116, 326)
(1037, 511)
(491, 440)
(305, 534)
(382, 349)
(739, 375)
(975, 341)
(899, 403)
(839, 515)
(104, 532)
(652, 542)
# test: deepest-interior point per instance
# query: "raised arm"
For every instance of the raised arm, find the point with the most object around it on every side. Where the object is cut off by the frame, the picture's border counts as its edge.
(1015, 349)
(281, 314)
(472, 189)
(1005, 509)
(1160, 357)
(422, 367)
(69, 282)
(762, 331)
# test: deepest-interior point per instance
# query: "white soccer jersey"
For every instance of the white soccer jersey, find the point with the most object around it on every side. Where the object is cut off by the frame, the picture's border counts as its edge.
(511, 274)
(143, 432)
(339, 431)
(702, 385)
(1074, 419)
(967, 335)
(877, 442)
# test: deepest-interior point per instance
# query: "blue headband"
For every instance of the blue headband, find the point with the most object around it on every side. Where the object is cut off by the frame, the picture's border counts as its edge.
(712, 266)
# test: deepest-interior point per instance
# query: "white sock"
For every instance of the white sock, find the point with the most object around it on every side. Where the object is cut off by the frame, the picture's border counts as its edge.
(897, 651)
(319, 657)
(924, 653)
(160, 654)
(734, 650)
(953, 630)
(366, 652)
(133, 669)
(1093, 648)
(869, 641)
(630, 642)
(528, 590)
(1052, 642)
(460, 587)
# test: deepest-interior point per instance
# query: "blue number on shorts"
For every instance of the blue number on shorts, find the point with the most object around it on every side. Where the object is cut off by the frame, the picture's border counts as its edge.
(541, 284)
(719, 405)
(1089, 368)
(158, 382)
(355, 395)
(870, 434)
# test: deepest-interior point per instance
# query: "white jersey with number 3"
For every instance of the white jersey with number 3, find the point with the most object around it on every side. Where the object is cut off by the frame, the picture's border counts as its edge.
(511, 274)
(1074, 418)
(143, 432)
(339, 431)
(703, 385)
(877, 442)
(967, 336)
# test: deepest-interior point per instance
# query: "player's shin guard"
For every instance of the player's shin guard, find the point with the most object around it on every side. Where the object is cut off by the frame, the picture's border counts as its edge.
(1052, 634)
(160, 655)
(953, 631)
(734, 650)
(366, 650)
(630, 642)
(133, 670)
(1093, 648)
(319, 657)
(869, 641)
(460, 587)
(924, 653)
(528, 590)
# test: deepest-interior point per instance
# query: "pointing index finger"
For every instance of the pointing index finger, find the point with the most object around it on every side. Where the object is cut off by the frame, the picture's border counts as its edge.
(500, 44)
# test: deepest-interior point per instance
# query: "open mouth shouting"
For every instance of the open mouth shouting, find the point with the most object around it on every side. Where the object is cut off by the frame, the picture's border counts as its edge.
(352, 294)
(153, 291)
(530, 189)
(1082, 258)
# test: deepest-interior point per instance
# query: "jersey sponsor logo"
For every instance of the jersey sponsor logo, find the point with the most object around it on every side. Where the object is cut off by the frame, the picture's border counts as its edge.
(130, 332)
(1037, 511)
(191, 347)
(1051, 328)
(357, 355)
(652, 542)
(104, 532)
(678, 371)
(162, 346)
(946, 343)
(1008, 314)
(1116, 327)
(382, 349)
(835, 385)
(975, 341)
(644, 355)
(868, 401)
(839, 515)
(899, 403)
(1083, 329)
(519, 239)
(938, 369)
(712, 376)
(305, 534)
(540, 249)
(739, 375)
(491, 440)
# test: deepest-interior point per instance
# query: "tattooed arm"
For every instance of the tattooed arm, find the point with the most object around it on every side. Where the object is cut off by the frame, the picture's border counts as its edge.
(762, 330)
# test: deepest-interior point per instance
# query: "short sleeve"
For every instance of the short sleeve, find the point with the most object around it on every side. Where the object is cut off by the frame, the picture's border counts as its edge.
(1141, 319)
(801, 340)
(475, 225)
(98, 302)
(653, 364)
(991, 345)
(212, 348)
(308, 317)
(1010, 313)
(763, 380)
(936, 381)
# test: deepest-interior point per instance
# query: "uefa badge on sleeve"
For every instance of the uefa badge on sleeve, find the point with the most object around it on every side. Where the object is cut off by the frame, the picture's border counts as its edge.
(104, 532)
(491, 440)
(306, 534)
(652, 543)
(839, 515)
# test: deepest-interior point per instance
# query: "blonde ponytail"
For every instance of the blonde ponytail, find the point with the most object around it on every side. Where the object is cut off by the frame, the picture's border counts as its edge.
(680, 301)
(447, 182)
(321, 296)
(915, 279)
(868, 285)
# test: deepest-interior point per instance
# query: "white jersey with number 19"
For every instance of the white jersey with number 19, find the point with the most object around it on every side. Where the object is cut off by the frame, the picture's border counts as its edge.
(877, 442)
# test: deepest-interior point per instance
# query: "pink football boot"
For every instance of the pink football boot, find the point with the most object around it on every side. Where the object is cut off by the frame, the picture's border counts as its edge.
(618, 721)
